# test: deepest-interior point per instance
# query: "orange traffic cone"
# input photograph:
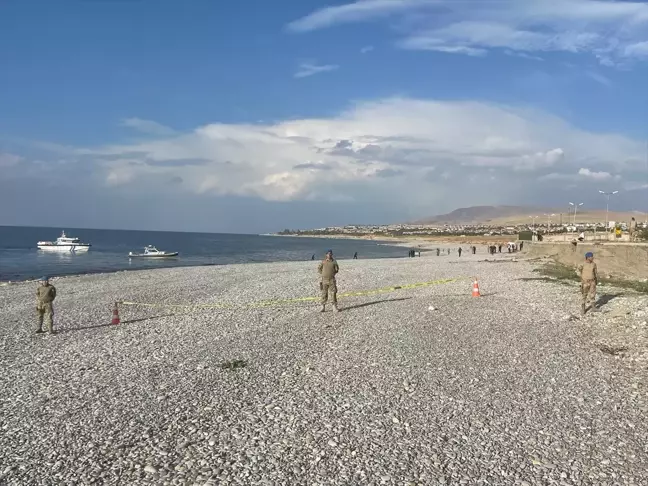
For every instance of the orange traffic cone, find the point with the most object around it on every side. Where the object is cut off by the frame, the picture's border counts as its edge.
(115, 319)
(475, 290)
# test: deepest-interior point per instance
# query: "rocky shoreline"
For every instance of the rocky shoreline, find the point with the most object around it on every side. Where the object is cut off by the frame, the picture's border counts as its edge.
(509, 388)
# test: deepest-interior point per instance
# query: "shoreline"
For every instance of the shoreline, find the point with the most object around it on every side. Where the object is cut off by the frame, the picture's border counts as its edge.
(4, 283)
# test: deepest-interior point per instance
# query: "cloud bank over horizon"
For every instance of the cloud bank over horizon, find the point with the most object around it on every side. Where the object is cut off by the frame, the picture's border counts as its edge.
(409, 153)
(319, 113)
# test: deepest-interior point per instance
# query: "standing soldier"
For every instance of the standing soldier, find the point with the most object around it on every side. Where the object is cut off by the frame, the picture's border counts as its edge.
(459, 251)
(633, 228)
(328, 268)
(589, 279)
(45, 295)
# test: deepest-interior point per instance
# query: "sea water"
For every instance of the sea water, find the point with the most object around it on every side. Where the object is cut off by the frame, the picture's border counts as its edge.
(21, 260)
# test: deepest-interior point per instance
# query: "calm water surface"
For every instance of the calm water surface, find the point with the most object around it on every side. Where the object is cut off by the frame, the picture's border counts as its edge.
(21, 260)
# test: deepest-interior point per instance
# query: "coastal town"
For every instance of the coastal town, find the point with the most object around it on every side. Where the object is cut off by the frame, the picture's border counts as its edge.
(447, 229)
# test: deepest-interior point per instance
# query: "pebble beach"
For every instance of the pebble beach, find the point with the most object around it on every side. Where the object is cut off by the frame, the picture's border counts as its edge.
(418, 386)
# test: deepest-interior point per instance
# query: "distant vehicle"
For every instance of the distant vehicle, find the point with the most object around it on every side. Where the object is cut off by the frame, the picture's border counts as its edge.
(64, 244)
(151, 252)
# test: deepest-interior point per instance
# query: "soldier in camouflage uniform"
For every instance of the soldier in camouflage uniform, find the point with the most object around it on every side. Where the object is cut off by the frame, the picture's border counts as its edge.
(589, 278)
(45, 295)
(328, 269)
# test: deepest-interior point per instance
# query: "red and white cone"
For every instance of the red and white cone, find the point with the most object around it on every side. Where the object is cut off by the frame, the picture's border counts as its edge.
(475, 289)
(115, 317)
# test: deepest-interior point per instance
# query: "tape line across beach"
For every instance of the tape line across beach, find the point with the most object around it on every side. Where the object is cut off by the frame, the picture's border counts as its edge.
(266, 303)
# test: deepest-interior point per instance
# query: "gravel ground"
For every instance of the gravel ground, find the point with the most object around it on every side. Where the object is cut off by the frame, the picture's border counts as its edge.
(508, 389)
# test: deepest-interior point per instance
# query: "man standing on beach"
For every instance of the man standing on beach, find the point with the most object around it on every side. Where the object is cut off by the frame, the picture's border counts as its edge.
(45, 295)
(328, 269)
(589, 278)
(633, 228)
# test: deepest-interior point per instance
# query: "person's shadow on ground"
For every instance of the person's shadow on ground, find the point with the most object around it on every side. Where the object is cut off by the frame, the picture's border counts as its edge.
(606, 298)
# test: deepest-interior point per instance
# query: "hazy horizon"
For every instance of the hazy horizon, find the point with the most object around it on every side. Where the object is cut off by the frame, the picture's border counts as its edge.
(582, 212)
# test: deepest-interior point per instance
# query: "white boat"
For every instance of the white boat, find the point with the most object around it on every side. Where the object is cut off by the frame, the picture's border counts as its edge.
(64, 244)
(151, 252)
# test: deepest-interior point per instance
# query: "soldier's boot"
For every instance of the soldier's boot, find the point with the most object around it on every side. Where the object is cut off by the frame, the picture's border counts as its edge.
(323, 309)
(336, 308)
(50, 322)
(39, 329)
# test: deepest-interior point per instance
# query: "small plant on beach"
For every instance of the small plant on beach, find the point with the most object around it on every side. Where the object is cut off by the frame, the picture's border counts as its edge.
(557, 271)
(234, 364)
(612, 350)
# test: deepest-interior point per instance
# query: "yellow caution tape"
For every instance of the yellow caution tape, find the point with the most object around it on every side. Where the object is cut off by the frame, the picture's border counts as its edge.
(265, 303)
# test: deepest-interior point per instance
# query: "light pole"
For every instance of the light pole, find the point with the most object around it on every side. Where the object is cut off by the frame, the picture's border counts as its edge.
(533, 218)
(576, 206)
(607, 206)
(549, 216)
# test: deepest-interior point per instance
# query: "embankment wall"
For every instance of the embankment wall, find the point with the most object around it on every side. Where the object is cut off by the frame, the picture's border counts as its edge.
(620, 260)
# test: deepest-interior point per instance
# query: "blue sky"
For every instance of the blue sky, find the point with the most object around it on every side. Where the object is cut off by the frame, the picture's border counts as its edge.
(234, 116)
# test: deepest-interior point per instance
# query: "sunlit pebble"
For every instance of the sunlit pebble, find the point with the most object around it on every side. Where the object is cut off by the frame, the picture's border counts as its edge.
(505, 387)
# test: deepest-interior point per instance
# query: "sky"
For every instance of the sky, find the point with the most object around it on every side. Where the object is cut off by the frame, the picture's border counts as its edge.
(254, 116)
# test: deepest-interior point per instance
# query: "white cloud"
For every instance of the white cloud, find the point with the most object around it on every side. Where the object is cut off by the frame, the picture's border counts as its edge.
(385, 146)
(147, 126)
(598, 176)
(522, 55)
(118, 176)
(422, 43)
(9, 160)
(352, 12)
(635, 186)
(599, 78)
(640, 50)
(309, 69)
(613, 32)
(582, 174)
(366, 49)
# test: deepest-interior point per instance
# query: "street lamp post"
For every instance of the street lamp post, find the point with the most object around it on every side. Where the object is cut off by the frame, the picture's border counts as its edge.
(533, 218)
(576, 206)
(549, 216)
(607, 206)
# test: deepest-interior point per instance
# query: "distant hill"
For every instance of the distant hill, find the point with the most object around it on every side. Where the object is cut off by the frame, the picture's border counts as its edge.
(478, 214)
(504, 215)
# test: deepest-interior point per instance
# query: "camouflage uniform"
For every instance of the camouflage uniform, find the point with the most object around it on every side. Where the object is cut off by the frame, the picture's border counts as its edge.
(589, 278)
(328, 269)
(45, 295)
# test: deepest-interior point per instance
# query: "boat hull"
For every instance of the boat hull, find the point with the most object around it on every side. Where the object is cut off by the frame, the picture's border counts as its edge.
(142, 255)
(65, 248)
